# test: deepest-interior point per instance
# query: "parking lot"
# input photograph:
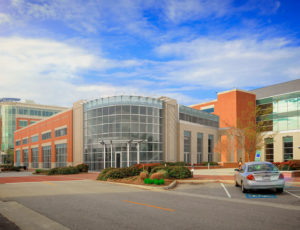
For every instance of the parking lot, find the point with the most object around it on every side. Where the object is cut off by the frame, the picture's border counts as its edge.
(290, 196)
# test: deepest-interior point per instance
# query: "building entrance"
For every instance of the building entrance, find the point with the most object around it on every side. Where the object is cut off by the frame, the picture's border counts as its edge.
(118, 157)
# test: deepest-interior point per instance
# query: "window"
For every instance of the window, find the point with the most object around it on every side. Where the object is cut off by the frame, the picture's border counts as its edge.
(199, 148)
(46, 152)
(187, 146)
(35, 157)
(25, 158)
(18, 158)
(35, 139)
(287, 148)
(18, 143)
(61, 132)
(61, 155)
(46, 136)
(23, 123)
(25, 141)
(269, 149)
(210, 147)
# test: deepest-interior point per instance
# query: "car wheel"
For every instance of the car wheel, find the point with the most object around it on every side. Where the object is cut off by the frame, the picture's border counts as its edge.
(279, 190)
(236, 184)
(243, 188)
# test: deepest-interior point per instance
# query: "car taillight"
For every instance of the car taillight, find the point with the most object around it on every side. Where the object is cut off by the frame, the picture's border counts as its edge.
(250, 177)
(281, 176)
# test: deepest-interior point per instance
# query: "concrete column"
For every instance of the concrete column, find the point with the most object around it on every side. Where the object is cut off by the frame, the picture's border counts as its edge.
(40, 165)
(104, 156)
(127, 154)
(111, 153)
(138, 152)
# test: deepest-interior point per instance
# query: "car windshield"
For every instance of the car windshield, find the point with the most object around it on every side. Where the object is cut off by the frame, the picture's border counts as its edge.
(262, 167)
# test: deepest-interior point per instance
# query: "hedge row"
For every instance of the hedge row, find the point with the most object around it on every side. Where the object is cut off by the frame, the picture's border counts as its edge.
(9, 167)
(119, 173)
(64, 170)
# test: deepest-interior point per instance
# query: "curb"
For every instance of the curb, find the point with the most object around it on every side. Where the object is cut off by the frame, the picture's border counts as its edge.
(171, 186)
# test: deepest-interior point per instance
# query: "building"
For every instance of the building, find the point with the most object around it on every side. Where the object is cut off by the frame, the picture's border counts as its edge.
(281, 119)
(282, 123)
(117, 132)
(16, 114)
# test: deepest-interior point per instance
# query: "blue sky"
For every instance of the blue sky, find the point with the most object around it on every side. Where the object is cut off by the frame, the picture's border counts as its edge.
(59, 51)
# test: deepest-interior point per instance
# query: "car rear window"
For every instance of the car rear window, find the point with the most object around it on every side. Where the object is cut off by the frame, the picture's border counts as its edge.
(262, 167)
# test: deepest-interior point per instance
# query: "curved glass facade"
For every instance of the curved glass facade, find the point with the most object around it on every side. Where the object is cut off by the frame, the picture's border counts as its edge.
(122, 131)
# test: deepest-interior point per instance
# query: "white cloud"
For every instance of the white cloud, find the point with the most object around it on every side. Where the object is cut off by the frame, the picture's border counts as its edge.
(184, 10)
(49, 71)
(227, 64)
(4, 18)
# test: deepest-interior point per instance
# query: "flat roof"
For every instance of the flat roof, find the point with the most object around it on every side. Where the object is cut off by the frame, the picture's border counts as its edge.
(277, 89)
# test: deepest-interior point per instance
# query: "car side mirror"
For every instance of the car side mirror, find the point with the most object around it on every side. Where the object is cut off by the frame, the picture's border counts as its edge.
(237, 170)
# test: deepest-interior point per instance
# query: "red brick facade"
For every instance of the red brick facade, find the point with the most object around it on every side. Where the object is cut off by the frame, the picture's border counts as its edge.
(63, 120)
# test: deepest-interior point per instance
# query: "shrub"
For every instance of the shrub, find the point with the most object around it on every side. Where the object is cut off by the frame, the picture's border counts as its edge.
(211, 163)
(144, 175)
(157, 176)
(82, 167)
(148, 181)
(63, 170)
(179, 172)
(39, 171)
(180, 163)
(159, 168)
(119, 173)
(156, 181)
(10, 167)
(164, 172)
(161, 181)
(102, 175)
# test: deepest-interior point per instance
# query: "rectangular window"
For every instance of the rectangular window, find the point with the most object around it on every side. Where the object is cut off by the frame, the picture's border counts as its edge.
(199, 148)
(61, 155)
(35, 139)
(210, 147)
(46, 152)
(187, 147)
(287, 148)
(25, 141)
(25, 158)
(35, 157)
(18, 143)
(269, 149)
(23, 123)
(46, 136)
(18, 158)
(61, 132)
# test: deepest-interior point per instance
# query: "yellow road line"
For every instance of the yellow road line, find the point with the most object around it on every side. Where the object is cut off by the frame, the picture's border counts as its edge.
(48, 183)
(148, 205)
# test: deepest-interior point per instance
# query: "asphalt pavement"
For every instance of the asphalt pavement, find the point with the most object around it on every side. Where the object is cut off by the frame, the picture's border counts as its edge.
(88, 204)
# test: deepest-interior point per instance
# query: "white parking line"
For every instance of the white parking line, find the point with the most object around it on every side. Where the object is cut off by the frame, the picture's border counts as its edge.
(292, 194)
(226, 190)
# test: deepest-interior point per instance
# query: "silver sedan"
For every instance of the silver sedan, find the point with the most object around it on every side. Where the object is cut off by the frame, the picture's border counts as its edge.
(259, 175)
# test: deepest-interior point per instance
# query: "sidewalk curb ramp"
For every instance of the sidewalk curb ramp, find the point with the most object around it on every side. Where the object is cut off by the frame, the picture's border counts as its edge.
(27, 219)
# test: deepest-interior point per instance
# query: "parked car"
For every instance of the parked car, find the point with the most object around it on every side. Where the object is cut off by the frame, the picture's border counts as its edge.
(259, 175)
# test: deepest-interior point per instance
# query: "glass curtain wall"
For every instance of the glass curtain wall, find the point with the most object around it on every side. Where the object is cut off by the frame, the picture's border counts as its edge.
(210, 147)
(61, 155)
(111, 125)
(287, 148)
(285, 112)
(187, 147)
(8, 116)
(46, 152)
(35, 157)
(199, 148)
